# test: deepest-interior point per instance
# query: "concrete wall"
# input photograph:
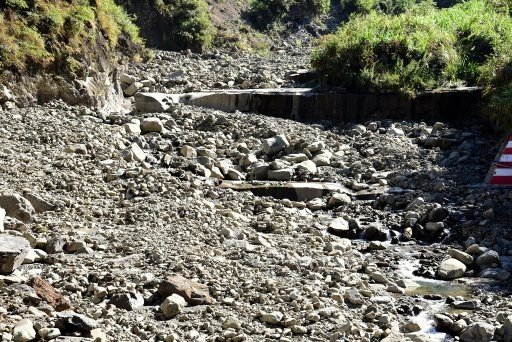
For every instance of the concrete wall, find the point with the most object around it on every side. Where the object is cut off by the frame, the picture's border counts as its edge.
(457, 106)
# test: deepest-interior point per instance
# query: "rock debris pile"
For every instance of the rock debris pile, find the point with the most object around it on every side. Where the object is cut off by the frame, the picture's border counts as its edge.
(116, 227)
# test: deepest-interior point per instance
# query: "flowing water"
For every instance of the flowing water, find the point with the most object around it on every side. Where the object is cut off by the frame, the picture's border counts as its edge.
(423, 286)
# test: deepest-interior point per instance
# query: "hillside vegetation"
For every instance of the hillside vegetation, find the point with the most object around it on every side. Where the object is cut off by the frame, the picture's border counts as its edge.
(173, 24)
(269, 13)
(62, 35)
(424, 47)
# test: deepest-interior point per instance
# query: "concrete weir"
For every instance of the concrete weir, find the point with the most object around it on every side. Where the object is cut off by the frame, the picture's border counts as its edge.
(457, 105)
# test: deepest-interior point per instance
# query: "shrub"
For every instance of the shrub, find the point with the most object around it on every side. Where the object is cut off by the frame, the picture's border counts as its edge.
(56, 32)
(114, 21)
(416, 50)
(383, 6)
(382, 53)
(266, 13)
(189, 22)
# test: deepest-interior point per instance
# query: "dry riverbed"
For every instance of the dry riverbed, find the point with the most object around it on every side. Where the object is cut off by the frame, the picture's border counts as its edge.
(125, 232)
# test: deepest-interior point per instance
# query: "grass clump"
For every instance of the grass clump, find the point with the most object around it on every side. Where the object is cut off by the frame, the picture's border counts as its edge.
(416, 50)
(388, 53)
(114, 20)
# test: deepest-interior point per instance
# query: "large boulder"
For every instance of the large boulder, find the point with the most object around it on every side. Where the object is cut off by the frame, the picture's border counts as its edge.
(461, 256)
(13, 250)
(193, 292)
(339, 227)
(71, 322)
(17, 207)
(477, 332)
(153, 102)
(451, 268)
(151, 125)
(275, 144)
(487, 259)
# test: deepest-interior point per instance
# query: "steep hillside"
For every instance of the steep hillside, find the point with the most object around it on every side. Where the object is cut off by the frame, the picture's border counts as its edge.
(63, 49)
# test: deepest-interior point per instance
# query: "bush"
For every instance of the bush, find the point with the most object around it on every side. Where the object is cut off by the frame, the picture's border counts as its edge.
(382, 6)
(417, 50)
(189, 22)
(388, 53)
(115, 21)
(266, 13)
(57, 31)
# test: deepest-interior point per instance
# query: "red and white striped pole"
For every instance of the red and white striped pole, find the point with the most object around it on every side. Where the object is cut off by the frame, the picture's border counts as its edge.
(502, 174)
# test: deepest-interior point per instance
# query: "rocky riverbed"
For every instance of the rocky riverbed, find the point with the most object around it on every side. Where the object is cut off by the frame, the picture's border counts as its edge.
(129, 227)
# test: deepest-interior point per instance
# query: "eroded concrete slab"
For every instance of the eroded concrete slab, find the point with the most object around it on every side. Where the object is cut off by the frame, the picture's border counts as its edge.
(459, 105)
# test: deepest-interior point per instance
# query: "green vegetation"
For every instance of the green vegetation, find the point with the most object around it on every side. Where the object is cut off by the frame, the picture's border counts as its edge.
(266, 13)
(423, 48)
(379, 52)
(44, 33)
(382, 6)
(188, 21)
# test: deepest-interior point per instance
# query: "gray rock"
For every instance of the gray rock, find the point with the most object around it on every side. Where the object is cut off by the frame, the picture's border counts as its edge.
(151, 125)
(13, 250)
(339, 199)
(353, 296)
(39, 204)
(507, 329)
(272, 318)
(132, 128)
(434, 227)
(438, 214)
(275, 144)
(495, 273)
(134, 152)
(128, 301)
(443, 322)
(259, 171)
(76, 148)
(231, 323)
(193, 292)
(280, 175)
(17, 207)
(465, 304)
(477, 332)
(395, 131)
(487, 259)
(451, 269)
(133, 88)
(323, 159)
(173, 305)
(458, 326)
(338, 227)
(461, 256)
(24, 331)
(377, 246)
(188, 151)
(70, 322)
(308, 166)
(127, 78)
(56, 244)
(153, 102)
(474, 249)
(316, 146)
(411, 327)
